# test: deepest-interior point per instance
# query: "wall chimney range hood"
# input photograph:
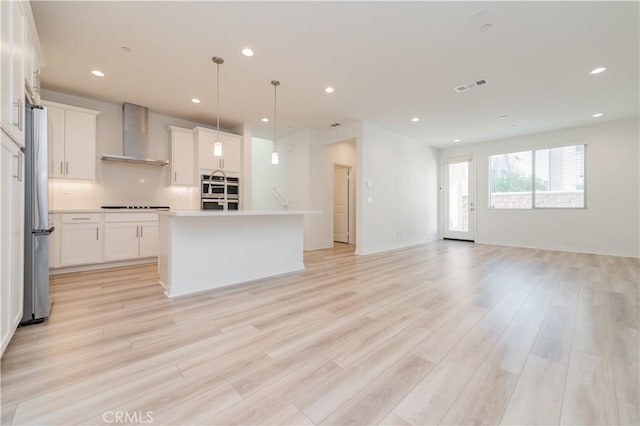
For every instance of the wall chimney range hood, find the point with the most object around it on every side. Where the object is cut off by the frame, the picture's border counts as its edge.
(135, 137)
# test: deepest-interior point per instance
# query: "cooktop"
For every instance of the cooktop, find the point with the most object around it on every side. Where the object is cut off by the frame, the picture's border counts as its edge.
(137, 207)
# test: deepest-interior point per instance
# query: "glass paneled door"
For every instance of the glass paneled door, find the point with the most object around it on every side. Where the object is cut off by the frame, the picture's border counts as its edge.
(459, 202)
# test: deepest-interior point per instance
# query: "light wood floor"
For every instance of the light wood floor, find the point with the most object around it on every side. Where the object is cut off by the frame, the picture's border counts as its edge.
(449, 332)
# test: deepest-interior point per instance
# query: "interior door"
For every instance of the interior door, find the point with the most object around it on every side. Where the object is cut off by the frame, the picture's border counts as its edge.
(459, 203)
(341, 204)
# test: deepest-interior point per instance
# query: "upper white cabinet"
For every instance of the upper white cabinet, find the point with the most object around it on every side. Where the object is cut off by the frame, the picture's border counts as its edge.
(183, 168)
(13, 95)
(72, 141)
(20, 62)
(231, 159)
(32, 64)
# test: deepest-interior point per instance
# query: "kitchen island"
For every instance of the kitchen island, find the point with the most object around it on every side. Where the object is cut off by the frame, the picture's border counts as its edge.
(203, 250)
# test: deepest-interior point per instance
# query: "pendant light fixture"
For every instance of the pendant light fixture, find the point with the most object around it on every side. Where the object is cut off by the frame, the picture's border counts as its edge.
(217, 145)
(274, 154)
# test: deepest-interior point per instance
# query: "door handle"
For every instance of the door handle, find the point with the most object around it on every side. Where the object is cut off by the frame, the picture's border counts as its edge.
(66, 171)
(61, 171)
(175, 176)
(137, 235)
(141, 231)
(97, 230)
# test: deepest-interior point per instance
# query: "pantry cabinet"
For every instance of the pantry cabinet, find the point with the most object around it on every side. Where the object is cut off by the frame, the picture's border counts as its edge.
(11, 237)
(183, 169)
(81, 239)
(231, 159)
(71, 142)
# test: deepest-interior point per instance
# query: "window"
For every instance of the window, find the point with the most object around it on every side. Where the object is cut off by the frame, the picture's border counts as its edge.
(511, 177)
(560, 177)
(558, 174)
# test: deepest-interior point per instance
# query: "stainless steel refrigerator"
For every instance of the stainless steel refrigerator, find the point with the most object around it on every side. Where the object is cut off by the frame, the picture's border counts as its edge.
(37, 231)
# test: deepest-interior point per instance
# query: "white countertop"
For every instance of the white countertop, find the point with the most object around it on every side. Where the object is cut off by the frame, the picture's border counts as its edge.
(81, 211)
(216, 213)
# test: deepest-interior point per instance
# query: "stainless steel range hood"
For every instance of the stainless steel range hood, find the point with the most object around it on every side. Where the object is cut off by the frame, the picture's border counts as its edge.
(135, 137)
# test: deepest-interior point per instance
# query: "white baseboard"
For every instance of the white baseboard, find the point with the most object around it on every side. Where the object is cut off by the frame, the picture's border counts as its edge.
(106, 265)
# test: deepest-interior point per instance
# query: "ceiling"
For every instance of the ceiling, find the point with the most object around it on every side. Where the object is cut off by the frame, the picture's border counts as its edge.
(388, 62)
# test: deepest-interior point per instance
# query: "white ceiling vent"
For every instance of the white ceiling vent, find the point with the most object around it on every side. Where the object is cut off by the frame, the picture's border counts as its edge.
(467, 86)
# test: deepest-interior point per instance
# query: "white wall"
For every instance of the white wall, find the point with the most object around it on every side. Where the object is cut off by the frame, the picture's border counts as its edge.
(325, 149)
(403, 174)
(398, 200)
(609, 224)
(118, 183)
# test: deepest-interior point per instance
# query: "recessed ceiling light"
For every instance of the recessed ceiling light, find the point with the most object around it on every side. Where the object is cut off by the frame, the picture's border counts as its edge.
(247, 52)
(265, 120)
(486, 27)
(195, 100)
(328, 89)
(503, 117)
(597, 70)
(126, 49)
(414, 119)
(456, 140)
(597, 114)
(97, 73)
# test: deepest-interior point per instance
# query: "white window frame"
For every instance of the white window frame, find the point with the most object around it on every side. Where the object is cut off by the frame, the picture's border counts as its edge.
(533, 177)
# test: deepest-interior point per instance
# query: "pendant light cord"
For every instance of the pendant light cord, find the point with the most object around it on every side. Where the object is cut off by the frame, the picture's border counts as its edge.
(217, 102)
(275, 116)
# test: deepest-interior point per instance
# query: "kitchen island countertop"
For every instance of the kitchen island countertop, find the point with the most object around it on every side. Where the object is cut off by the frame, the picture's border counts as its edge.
(201, 213)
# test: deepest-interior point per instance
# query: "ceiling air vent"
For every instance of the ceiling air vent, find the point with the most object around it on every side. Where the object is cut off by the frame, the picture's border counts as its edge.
(335, 124)
(467, 86)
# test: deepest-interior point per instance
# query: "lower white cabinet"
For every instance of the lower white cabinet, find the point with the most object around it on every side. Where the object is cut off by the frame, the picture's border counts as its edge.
(80, 243)
(130, 236)
(149, 239)
(94, 238)
(11, 237)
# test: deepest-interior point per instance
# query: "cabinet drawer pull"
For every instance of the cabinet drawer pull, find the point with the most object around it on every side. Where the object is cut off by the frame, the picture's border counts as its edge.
(80, 218)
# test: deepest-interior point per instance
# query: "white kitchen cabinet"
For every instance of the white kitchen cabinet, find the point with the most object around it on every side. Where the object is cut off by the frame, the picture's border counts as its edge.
(71, 141)
(12, 64)
(32, 64)
(149, 239)
(55, 141)
(231, 159)
(130, 236)
(183, 166)
(11, 237)
(121, 241)
(81, 239)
